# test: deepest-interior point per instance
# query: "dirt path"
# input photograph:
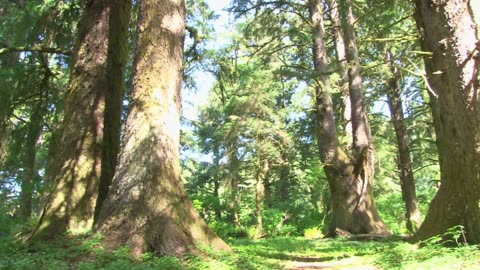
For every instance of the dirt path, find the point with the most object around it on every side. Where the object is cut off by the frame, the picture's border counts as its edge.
(352, 263)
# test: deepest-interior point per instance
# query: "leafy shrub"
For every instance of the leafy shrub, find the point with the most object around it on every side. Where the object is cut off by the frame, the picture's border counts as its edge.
(254, 233)
(286, 230)
(226, 230)
(273, 221)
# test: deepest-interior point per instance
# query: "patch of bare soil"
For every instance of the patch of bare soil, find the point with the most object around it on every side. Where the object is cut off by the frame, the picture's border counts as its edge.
(352, 263)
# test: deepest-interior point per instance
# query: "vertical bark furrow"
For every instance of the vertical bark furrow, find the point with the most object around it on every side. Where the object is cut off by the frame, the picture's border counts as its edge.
(77, 167)
(114, 94)
(448, 29)
(353, 208)
(147, 207)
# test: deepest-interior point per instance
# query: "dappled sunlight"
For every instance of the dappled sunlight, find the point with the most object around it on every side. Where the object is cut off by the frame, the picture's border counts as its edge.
(289, 160)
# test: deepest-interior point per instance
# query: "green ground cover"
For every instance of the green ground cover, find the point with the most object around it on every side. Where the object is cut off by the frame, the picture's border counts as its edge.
(85, 253)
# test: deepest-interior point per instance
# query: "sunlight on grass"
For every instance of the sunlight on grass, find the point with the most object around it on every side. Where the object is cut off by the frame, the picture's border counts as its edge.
(85, 253)
(313, 233)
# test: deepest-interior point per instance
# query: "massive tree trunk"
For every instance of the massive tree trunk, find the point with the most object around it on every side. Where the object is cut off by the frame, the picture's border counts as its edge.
(350, 179)
(147, 207)
(77, 165)
(450, 31)
(412, 216)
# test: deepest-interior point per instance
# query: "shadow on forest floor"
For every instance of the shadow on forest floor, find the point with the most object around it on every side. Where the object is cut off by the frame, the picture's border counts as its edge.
(301, 253)
(84, 253)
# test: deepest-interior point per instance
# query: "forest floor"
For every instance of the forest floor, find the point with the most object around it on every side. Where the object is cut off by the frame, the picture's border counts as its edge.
(84, 253)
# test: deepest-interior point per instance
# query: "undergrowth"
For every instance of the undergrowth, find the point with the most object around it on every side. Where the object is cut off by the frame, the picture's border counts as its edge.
(85, 253)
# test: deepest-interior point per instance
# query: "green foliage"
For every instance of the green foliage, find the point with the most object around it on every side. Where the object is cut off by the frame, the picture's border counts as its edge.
(407, 256)
(31, 98)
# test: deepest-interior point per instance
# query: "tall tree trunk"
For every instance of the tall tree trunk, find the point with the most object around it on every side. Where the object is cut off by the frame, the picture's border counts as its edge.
(339, 42)
(77, 169)
(353, 208)
(7, 60)
(234, 178)
(360, 126)
(30, 174)
(217, 178)
(284, 182)
(262, 169)
(268, 186)
(117, 59)
(147, 207)
(216, 193)
(404, 162)
(450, 31)
(34, 132)
(3, 141)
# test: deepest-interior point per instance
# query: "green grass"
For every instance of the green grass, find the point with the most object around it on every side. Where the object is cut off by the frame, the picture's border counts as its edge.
(84, 253)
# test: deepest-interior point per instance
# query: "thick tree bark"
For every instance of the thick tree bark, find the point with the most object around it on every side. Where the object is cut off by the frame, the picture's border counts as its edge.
(450, 31)
(117, 59)
(404, 162)
(353, 208)
(77, 166)
(147, 207)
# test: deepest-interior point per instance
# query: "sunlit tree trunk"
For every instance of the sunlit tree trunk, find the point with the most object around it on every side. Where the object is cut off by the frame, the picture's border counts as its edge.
(147, 207)
(77, 162)
(360, 127)
(341, 66)
(450, 31)
(349, 179)
(404, 162)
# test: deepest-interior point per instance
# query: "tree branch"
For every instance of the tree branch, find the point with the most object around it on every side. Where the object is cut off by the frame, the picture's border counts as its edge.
(35, 48)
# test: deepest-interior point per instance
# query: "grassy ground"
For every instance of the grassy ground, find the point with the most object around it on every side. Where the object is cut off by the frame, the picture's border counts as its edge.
(279, 253)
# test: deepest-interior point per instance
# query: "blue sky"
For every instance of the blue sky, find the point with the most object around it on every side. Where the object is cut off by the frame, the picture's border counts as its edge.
(205, 81)
(191, 100)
